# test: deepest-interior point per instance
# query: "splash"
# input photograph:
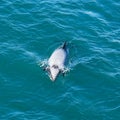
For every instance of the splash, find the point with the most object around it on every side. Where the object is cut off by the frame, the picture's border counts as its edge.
(43, 63)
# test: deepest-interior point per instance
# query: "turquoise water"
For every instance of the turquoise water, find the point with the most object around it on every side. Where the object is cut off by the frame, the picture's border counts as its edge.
(29, 32)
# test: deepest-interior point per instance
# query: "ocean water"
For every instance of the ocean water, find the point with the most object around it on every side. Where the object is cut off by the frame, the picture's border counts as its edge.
(29, 32)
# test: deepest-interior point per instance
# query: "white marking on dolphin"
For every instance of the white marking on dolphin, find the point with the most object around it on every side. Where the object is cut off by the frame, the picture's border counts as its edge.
(56, 62)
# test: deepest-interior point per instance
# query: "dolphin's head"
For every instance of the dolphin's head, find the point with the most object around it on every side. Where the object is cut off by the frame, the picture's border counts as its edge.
(54, 71)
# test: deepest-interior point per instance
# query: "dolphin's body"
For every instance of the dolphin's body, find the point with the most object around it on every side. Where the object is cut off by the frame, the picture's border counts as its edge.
(56, 62)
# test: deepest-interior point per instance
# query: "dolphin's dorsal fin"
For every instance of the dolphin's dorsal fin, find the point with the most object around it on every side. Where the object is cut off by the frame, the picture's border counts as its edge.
(64, 45)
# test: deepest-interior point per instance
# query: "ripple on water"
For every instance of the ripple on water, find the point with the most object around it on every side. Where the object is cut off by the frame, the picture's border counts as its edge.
(29, 33)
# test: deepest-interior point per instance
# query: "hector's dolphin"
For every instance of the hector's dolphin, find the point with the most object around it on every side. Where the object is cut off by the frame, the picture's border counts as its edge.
(56, 62)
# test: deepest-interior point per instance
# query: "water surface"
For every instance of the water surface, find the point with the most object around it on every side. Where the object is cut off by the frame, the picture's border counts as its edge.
(31, 30)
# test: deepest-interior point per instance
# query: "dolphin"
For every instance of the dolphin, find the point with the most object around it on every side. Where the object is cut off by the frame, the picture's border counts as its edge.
(56, 62)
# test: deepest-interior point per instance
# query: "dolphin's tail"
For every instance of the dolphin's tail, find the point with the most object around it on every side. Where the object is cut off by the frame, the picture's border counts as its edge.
(64, 45)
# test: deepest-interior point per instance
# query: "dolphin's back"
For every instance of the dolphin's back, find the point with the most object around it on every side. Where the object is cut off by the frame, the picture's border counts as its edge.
(58, 57)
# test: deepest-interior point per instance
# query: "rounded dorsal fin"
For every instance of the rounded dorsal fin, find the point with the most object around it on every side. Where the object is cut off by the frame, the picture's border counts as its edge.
(64, 45)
